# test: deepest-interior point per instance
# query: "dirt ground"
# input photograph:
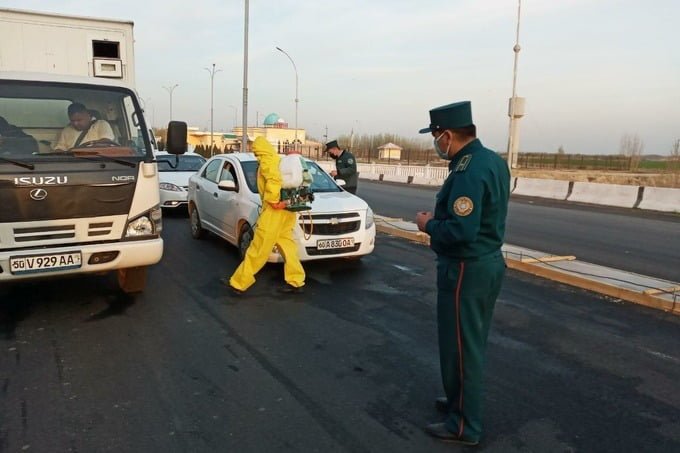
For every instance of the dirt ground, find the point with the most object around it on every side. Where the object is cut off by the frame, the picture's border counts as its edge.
(633, 179)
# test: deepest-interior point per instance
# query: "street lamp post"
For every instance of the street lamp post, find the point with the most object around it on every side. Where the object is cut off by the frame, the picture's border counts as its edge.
(212, 72)
(516, 109)
(170, 90)
(296, 95)
(244, 110)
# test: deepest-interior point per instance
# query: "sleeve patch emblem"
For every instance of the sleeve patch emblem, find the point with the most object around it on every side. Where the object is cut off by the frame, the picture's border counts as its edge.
(350, 161)
(463, 206)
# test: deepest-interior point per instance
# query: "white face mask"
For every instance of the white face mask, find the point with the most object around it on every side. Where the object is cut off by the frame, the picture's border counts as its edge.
(440, 153)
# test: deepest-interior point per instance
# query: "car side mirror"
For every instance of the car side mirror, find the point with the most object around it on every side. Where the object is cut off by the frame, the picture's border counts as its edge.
(340, 182)
(177, 137)
(229, 186)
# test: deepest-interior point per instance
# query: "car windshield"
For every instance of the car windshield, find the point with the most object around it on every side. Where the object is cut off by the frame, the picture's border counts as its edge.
(42, 121)
(322, 181)
(186, 163)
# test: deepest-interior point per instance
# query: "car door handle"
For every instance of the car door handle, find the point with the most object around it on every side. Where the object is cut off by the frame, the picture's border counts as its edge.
(215, 194)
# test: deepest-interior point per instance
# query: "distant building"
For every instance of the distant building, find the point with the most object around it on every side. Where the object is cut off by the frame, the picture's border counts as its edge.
(275, 129)
(390, 151)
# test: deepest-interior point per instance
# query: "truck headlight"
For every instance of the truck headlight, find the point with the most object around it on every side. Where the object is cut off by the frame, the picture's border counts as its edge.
(369, 218)
(170, 187)
(149, 224)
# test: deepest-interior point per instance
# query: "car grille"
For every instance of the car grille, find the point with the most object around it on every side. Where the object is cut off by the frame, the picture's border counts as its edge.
(44, 233)
(313, 251)
(99, 229)
(331, 224)
(49, 233)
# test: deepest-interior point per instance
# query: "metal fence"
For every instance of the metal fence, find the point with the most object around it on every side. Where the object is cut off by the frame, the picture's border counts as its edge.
(577, 161)
(408, 156)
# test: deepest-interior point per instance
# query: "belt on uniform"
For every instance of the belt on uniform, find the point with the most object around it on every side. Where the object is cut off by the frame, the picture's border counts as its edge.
(470, 259)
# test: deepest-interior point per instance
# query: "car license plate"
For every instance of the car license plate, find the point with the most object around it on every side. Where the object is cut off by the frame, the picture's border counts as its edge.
(44, 263)
(324, 244)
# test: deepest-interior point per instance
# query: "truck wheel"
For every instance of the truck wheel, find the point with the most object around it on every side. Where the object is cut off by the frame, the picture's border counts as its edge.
(197, 232)
(245, 237)
(132, 279)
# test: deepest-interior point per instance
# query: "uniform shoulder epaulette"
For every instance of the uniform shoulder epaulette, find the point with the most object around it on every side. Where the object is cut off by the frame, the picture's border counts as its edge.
(463, 164)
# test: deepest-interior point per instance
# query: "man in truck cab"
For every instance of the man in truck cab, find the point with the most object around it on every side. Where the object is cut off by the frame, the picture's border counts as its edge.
(83, 128)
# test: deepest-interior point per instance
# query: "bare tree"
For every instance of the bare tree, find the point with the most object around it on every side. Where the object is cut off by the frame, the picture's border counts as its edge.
(632, 146)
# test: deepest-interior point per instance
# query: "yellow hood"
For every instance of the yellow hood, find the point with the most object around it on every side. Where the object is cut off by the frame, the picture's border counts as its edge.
(268, 175)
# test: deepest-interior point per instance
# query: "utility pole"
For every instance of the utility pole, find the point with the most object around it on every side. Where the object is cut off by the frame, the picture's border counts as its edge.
(244, 110)
(170, 90)
(295, 147)
(516, 107)
(212, 78)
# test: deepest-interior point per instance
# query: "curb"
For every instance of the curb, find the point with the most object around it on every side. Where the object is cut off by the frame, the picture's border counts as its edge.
(663, 295)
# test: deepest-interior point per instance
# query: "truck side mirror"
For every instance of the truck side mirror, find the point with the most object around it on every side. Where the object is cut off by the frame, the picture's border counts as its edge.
(177, 137)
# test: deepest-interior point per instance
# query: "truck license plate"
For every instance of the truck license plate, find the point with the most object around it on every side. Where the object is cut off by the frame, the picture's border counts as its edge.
(44, 263)
(341, 243)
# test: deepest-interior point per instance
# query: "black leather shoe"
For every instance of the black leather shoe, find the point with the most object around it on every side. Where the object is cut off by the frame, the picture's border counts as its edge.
(290, 289)
(442, 404)
(232, 290)
(441, 432)
(236, 292)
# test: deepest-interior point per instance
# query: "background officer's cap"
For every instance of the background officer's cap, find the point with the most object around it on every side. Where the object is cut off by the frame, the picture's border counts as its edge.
(452, 116)
(331, 144)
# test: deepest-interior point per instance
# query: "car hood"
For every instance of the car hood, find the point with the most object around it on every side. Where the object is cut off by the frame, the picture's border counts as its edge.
(330, 202)
(337, 202)
(179, 178)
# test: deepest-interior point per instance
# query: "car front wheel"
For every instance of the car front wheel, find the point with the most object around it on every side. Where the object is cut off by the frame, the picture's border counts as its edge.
(197, 231)
(245, 237)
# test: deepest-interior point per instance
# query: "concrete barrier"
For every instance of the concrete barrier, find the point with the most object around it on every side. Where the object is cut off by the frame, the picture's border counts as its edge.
(423, 181)
(542, 188)
(605, 194)
(660, 199)
(395, 178)
(369, 176)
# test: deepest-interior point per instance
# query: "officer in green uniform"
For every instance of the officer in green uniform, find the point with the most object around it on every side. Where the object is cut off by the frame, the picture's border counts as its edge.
(346, 166)
(466, 232)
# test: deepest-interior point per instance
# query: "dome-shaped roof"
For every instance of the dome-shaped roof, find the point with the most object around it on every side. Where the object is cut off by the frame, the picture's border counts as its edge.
(271, 119)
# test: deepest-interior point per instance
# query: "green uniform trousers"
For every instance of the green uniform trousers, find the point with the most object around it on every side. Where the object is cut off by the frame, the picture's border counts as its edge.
(466, 296)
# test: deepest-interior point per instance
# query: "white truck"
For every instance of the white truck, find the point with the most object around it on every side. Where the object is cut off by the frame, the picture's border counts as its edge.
(94, 206)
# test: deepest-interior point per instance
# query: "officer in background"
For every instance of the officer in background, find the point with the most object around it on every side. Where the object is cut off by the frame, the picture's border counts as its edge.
(466, 232)
(345, 164)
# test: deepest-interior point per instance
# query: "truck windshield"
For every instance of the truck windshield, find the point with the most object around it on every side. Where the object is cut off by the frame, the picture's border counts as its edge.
(42, 121)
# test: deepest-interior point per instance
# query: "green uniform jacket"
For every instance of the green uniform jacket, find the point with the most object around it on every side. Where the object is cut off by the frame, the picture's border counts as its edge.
(470, 211)
(346, 166)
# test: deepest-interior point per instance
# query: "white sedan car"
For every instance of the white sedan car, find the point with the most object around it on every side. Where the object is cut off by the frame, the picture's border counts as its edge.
(173, 175)
(223, 199)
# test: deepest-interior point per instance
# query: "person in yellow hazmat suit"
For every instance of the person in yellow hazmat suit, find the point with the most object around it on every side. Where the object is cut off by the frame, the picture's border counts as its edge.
(274, 227)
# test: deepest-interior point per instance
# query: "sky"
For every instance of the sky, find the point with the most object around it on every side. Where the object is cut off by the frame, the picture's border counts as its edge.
(591, 71)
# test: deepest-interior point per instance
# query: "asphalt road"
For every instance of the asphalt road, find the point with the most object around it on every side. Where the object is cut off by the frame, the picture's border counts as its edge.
(637, 241)
(350, 366)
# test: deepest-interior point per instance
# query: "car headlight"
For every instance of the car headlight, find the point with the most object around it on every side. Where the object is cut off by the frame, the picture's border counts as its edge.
(369, 218)
(170, 187)
(149, 224)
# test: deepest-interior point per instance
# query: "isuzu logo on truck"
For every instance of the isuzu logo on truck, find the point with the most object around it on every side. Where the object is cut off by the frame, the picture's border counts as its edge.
(40, 180)
(38, 194)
